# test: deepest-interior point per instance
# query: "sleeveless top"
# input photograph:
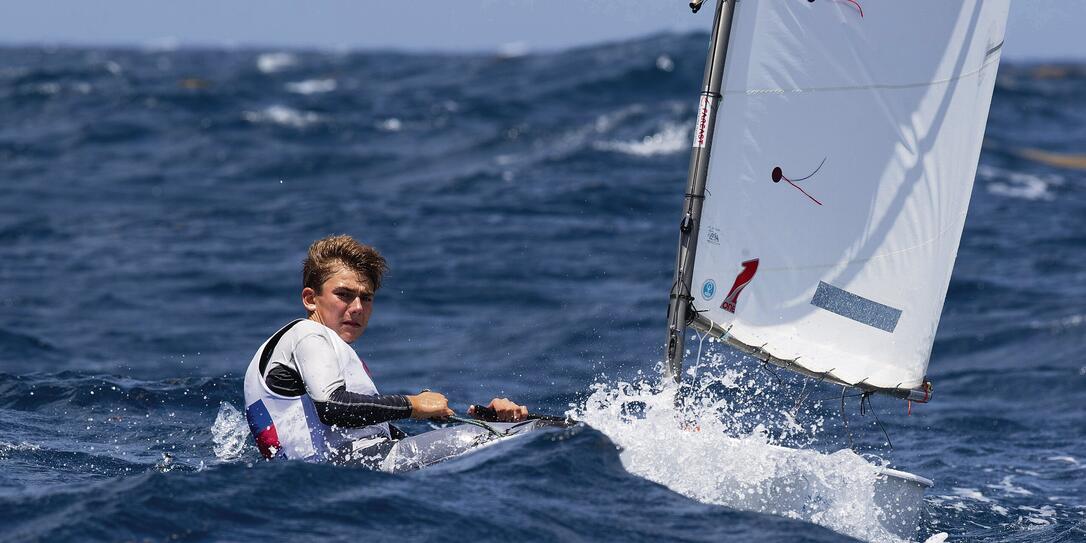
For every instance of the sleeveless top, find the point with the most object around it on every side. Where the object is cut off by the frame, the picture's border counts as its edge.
(288, 427)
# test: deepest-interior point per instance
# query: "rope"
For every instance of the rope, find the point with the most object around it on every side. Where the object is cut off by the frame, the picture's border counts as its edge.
(802, 398)
(764, 366)
(844, 417)
(871, 407)
(858, 394)
(701, 341)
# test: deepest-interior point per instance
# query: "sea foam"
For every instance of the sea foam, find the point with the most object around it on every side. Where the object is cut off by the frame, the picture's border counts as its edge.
(312, 86)
(672, 138)
(1021, 185)
(282, 115)
(275, 62)
(712, 451)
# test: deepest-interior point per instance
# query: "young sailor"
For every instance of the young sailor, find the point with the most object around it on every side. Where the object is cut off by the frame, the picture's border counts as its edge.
(308, 395)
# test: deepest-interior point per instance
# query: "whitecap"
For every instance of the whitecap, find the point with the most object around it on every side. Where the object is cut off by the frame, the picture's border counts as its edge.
(1041, 516)
(391, 124)
(229, 433)
(1072, 321)
(971, 493)
(274, 62)
(513, 49)
(672, 138)
(7, 448)
(1009, 488)
(1067, 459)
(607, 121)
(312, 86)
(47, 89)
(1022, 185)
(282, 115)
(664, 63)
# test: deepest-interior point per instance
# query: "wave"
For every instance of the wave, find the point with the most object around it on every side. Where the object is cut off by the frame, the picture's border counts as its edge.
(270, 63)
(312, 86)
(26, 346)
(283, 116)
(478, 497)
(672, 138)
(1016, 184)
(111, 392)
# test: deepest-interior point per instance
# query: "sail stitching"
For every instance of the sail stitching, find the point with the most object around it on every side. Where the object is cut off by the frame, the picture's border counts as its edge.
(933, 239)
(887, 86)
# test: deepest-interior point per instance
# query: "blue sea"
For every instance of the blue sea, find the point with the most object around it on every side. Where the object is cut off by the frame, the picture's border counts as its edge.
(156, 206)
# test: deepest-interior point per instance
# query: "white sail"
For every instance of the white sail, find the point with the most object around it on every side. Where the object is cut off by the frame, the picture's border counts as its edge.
(845, 149)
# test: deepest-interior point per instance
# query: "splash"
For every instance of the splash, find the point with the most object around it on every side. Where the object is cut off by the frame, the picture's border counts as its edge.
(229, 433)
(730, 441)
(7, 448)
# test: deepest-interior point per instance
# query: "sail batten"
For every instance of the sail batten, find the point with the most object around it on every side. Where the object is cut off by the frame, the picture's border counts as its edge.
(835, 204)
(876, 86)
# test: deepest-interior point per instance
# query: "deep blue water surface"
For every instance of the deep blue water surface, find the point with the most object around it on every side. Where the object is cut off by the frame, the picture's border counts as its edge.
(156, 206)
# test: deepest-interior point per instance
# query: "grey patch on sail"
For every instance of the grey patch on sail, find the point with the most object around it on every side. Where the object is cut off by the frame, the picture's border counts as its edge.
(857, 308)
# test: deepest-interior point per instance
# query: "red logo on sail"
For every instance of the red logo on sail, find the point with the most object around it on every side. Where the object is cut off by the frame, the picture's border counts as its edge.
(750, 267)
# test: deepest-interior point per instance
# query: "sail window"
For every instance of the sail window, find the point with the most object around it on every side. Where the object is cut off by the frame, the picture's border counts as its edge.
(855, 307)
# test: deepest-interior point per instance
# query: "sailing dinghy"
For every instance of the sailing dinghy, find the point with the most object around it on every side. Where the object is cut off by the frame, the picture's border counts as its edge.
(833, 159)
(436, 446)
(452, 441)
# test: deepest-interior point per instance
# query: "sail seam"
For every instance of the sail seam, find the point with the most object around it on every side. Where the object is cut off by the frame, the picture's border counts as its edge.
(754, 92)
(933, 239)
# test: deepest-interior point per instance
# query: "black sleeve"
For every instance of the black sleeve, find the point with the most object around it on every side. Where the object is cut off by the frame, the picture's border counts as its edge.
(353, 410)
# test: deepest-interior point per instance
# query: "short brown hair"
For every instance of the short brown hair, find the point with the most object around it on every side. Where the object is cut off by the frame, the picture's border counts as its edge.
(328, 254)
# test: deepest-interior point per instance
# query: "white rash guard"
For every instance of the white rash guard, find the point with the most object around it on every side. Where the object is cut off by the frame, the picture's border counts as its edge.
(309, 396)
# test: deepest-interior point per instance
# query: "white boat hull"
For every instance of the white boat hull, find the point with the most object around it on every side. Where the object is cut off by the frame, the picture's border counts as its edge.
(428, 448)
(900, 495)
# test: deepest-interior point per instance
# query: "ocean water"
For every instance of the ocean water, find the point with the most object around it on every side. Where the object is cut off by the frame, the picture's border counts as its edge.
(157, 204)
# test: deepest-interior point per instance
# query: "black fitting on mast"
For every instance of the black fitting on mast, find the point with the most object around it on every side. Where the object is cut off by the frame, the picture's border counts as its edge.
(687, 224)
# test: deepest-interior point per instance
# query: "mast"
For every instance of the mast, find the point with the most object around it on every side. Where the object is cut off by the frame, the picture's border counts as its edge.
(689, 226)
